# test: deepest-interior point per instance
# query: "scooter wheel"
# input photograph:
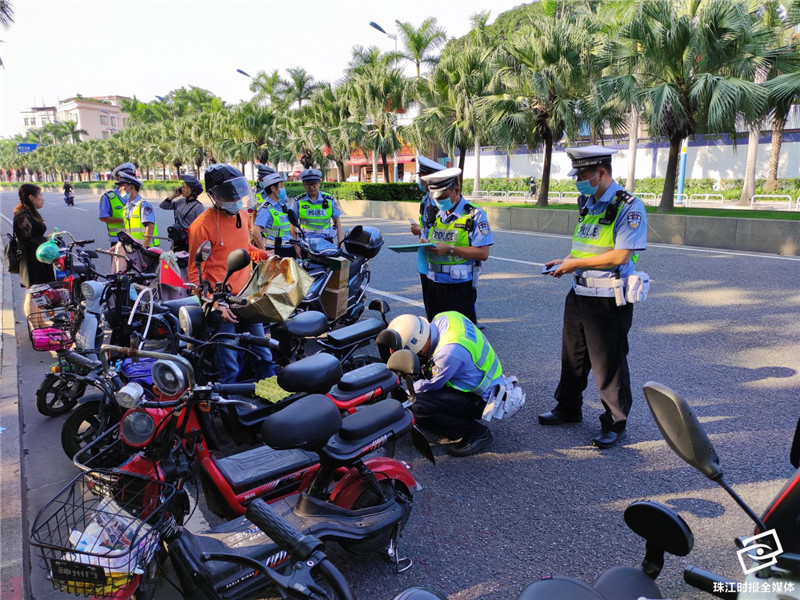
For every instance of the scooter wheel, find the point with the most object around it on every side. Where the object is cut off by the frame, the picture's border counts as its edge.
(85, 425)
(57, 396)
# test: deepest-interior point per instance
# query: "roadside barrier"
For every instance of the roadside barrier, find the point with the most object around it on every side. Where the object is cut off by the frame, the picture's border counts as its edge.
(771, 201)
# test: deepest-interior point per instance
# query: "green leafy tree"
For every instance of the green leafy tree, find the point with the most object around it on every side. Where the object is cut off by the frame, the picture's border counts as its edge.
(420, 43)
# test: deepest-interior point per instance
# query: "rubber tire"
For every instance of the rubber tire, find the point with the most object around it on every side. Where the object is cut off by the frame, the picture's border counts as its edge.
(75, 434)
(56, 396)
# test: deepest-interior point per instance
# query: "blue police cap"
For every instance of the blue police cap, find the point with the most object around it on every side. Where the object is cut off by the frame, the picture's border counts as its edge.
(311, 175)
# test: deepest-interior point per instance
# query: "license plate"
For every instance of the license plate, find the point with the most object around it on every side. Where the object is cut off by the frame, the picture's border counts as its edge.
(67, 570)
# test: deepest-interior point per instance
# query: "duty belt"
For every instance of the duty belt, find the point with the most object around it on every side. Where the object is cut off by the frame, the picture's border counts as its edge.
(599, 282)
(437, 268)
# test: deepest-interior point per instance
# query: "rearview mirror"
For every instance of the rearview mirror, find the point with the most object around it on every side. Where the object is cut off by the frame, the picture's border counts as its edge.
(681, 429)
(404, 362)
(237, 260)
(380, 305)
(293, 217)
(203, 252)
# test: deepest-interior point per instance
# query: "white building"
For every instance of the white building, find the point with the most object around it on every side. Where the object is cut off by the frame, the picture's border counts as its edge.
(100, 116)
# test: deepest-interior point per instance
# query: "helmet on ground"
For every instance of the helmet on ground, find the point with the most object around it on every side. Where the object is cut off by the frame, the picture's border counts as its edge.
(124, 168)
(413, 331)
(227, 187)
(47, 252)
(193, 183)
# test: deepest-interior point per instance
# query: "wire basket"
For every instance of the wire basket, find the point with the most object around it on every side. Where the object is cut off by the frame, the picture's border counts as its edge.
(50, 295)
(106, 451)
(51, 329)
(98, 534)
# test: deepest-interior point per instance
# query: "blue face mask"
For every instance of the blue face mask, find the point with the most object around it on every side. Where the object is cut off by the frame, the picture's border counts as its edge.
(282, 195)
(585, 187)
(444, 205)
(421, 186)
(125, 196)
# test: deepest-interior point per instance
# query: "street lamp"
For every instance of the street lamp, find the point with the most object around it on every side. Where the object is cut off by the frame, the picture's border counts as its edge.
(393, 36)
(243, 73)
(164, 100)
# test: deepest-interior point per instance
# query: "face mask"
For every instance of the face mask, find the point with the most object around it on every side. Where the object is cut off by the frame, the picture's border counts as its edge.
(231, 207)
(444, 205)
(585, 187)
(282, 195)
(421, 186)
(125, 196)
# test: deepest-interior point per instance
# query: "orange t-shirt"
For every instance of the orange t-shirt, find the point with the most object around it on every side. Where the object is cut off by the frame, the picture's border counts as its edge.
(220, 228)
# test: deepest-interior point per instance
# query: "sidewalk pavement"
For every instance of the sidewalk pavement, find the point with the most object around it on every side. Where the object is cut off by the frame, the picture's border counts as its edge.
(13, 558)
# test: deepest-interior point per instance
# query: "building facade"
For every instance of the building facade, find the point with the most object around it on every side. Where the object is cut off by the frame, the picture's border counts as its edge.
(100, 116)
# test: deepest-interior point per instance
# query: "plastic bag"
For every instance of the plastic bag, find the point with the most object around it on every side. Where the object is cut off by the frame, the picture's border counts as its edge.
(275, 289)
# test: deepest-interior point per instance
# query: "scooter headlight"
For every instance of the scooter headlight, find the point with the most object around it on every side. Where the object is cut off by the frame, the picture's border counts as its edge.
(130, 395)
(87, 290)
(137, 428)
(169, 377)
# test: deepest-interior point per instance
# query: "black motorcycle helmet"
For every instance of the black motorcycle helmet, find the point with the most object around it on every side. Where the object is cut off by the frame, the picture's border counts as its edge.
(193, 183)
(227, 187)
(418, 593)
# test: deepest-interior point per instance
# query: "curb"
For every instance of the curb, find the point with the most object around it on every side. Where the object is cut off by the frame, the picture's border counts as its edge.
(14, 559)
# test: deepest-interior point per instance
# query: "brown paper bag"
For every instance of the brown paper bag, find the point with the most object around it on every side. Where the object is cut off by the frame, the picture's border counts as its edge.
(274, 290)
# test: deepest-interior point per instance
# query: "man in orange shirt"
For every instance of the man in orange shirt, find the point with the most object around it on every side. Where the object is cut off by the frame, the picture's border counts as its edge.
(225, 225)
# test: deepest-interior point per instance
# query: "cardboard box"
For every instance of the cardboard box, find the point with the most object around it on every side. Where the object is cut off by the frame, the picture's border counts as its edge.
(340, 273)
(334, 302)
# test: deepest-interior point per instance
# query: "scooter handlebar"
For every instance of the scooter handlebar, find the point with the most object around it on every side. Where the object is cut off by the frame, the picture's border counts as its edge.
(235, 389)
(286, 535)
(247, 339)
(705, 580)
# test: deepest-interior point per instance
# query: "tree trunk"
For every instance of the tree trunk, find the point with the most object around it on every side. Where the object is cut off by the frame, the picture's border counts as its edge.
(778, 124)
(462, 158)
(374, 166)
(633, 144)
(544, 190)
(477, 185)
(164, 171)
(667, 203)
(340, 169)
(385, 167)
(749, 187)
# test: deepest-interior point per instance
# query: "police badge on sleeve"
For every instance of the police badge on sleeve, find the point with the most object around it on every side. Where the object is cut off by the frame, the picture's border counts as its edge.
(634, 220)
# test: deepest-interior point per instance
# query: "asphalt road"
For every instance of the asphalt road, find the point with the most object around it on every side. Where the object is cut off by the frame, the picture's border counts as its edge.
(719, 327)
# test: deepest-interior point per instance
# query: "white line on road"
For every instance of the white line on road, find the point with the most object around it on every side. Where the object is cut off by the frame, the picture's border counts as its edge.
(79, 208)
(9, 221)
(396, 297)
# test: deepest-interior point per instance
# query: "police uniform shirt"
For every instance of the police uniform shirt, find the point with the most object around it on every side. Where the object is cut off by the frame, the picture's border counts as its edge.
(480, 235)
(105, 205)
(451, 362)
(422, 256)
(264, 217)
(251, 201)
(328, 232)
(630, 229)
(147, 215)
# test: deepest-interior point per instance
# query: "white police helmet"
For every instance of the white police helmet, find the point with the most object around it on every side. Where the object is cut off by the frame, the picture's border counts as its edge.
(413, 331)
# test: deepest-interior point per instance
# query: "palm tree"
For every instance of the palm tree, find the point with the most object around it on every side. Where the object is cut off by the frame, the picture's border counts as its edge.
(420, 43)
(268, 87)
(6, 17)
(300, 86)
(694, 71)
(325, 127)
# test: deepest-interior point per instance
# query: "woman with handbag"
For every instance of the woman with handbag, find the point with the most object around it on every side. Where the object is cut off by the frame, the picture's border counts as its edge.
(29, 229)
(187, 208)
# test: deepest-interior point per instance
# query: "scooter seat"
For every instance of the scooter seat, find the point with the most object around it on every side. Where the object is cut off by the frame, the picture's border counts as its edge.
(307, 324)
(248, 470)
(309, 422)
(371, 418)
(626, 583)
(563, 588)
(355, 266)
(357, 332)
(314, 374)
(366, 377)
(174, 306)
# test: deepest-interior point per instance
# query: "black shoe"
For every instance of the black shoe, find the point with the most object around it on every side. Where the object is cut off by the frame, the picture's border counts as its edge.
(471, 445)
(557, 417)
(607, 439)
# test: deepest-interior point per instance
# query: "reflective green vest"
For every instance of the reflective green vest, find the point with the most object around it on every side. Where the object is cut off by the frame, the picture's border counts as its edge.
(136, 228)
(259, 199)
(118, 212)
(455, 233)
(280, 223)
(315, 216)
(594, 234)
(463, 332)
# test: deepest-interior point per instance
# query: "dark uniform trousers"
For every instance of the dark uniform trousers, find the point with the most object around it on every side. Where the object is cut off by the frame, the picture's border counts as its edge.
(449, 412)
(451, 296)
(595, 337)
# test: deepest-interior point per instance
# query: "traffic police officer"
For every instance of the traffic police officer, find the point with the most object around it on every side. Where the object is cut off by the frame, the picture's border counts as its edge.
(427, 215)
(462, 236)
(316, 209)
(112, 206)
(140, 220)
(272, 221)
(464, 370)
(612, 228)
(258, 195)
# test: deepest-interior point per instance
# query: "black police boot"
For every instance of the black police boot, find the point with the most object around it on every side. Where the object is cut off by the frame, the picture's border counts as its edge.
(557, 416)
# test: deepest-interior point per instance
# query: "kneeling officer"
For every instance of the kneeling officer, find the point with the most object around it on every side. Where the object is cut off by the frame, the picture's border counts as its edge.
(465, 370)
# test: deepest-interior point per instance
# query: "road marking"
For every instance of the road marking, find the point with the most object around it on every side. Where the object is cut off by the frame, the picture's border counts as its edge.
(396, 297)
(9, 221)
(79, 208)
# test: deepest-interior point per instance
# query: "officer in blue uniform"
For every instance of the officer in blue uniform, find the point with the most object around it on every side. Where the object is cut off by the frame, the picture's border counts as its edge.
(112, 207)
(612, 229)
(316, 210)
(462, 236)
(140, 219)
(271, 222)
(427, 216)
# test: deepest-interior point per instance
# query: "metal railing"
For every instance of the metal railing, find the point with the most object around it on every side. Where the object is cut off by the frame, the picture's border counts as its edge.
(679, 200)
(772, 202)
(706, 198)
(647, 198)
